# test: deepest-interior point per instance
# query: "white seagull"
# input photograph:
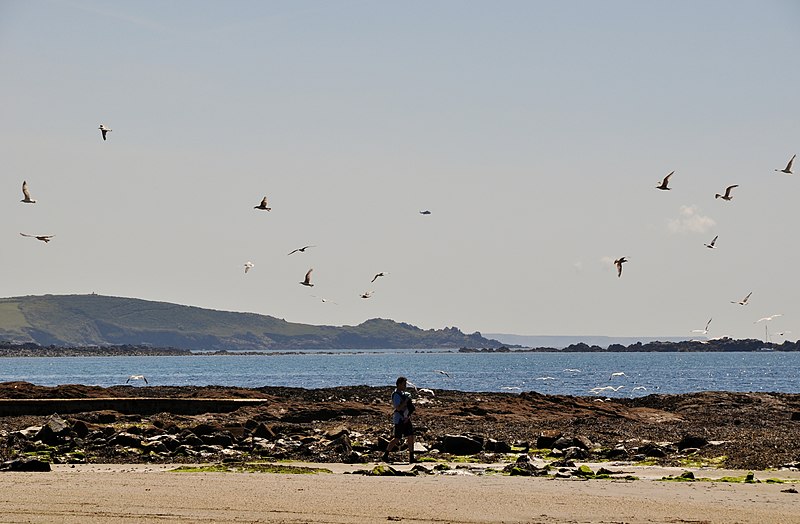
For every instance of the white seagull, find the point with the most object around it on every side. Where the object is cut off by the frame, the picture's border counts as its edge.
(307, 281)
(103, 130)
(788, 168)
(136, 377)
(26, 194)
(367, 294)
(727, 195)
(263, 205)
(617, 374)
(703, 331)
(300, 249)
(767, 319)
(664, 183)
(445, 373)
(248, 266)
(742, 302)
(712, 244)
(43, 238)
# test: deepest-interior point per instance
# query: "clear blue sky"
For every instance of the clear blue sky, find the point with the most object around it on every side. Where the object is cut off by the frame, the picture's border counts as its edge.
(535, 132)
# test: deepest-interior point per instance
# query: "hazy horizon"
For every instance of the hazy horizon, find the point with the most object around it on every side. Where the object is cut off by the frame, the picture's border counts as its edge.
(534, 132)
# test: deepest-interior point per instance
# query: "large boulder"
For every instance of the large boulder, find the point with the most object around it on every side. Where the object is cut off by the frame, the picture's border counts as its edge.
(460, 445)
(25, 464)
(54, 431)
(691, 441)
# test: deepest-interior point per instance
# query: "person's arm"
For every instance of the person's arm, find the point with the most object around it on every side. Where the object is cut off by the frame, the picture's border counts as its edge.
(399, 406)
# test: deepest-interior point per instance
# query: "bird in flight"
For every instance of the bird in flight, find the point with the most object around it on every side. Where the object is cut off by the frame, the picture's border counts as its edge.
(727, 195)
(742, 302)
(367, 294)
(263, 205)
(618, 262)
(248, 266)
(788, 168)
(711, 245)
(617, 374)
(445, 373)
(703, 331)
(136, 377)
(381, 274)
(307, 281)
(43, 238)
(425, 212)
(104, 130)
(26, 194)
(664, 183)
(767, 319)
(300, 249)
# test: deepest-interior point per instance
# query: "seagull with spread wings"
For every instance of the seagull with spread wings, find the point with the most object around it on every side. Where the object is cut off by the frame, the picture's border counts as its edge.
(618, 262)
(263, 205)
(381, 274)
(26, 194)
(248, 266)
(727, 195)
(788, 168)
(703, 331)
(300, 249)
(712, 244)
(307, 281)
(43, 238)
(103, 130)
(663, 184)
(742, 302)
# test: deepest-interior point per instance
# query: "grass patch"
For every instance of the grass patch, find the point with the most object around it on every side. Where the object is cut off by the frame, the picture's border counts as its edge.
(251, 468)
(703, 462)
(688, 476)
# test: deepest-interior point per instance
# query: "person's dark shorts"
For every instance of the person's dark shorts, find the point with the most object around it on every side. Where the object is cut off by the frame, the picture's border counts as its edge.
(403, 429)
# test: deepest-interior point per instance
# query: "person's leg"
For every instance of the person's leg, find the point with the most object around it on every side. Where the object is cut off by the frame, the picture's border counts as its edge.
(390, 447)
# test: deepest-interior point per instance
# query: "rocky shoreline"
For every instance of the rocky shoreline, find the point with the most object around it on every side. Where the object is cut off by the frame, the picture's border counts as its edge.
(754, 431)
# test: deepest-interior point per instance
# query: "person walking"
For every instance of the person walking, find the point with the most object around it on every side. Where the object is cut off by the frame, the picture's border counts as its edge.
(401, 419)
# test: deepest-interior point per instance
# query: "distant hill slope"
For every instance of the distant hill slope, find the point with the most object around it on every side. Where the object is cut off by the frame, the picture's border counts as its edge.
(562, 341)
(81, 320)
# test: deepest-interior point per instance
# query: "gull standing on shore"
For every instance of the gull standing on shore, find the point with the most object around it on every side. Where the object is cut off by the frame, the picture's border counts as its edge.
(788, 168)
(26, 195)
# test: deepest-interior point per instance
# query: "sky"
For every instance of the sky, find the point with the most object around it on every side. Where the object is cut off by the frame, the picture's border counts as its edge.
(534, 132)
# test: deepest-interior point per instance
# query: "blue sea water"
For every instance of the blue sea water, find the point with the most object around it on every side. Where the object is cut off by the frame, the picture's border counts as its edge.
(550, 373)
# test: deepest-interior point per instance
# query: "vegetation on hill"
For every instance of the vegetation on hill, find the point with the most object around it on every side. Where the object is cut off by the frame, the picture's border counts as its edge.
(97, 320)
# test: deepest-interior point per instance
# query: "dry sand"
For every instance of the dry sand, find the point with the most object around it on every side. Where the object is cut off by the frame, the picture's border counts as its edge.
(146, 493)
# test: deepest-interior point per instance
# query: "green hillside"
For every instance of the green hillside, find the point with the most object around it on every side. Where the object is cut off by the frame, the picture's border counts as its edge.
(85, 320)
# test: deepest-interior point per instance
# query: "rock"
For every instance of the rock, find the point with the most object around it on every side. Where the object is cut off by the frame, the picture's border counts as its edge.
(497, 446)
(616, 453)
(795, 416)
(335, 433)
(28, 432)
(25, 464)
(547, 439)
(584, 471)
(575, 453)
(264, 431)
(205, 429)
(690, 441)
(54, 431)
(342, 445)
(126, 440)
(80, 428)
(583, 442)
(652, 450)
(460, 445)
(217, 439)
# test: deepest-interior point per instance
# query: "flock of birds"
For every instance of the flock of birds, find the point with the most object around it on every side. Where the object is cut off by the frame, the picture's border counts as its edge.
(727, 196)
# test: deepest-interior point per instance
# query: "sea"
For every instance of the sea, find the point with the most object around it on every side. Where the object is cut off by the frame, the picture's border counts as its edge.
(582, 374)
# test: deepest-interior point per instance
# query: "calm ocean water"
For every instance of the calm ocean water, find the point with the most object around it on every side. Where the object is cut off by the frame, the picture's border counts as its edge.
(551, 373)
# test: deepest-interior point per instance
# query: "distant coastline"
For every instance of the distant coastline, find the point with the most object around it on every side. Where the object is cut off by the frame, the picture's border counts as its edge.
(30, 349)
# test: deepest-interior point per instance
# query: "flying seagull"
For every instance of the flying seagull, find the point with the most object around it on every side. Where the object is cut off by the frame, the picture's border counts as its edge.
(711, 245)
(136, 377)
(263, 205)
(617, 374)
(618, 262)
(742, 302)
(367, 294)
(664, 183)
(426, 212)
(104, 130)
(26, 194)
(43, 238)
(307, 281)
(248, 266)
(768, 318)
(381, 274)
(727, 195)
(445, 373)
(300, 249)
(703, 331)
(788, 168)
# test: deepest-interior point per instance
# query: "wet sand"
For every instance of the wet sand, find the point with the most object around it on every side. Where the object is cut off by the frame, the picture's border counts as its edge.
(117, 493)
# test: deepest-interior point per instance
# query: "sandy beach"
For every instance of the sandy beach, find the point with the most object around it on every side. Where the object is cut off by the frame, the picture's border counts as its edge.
(139, 493)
